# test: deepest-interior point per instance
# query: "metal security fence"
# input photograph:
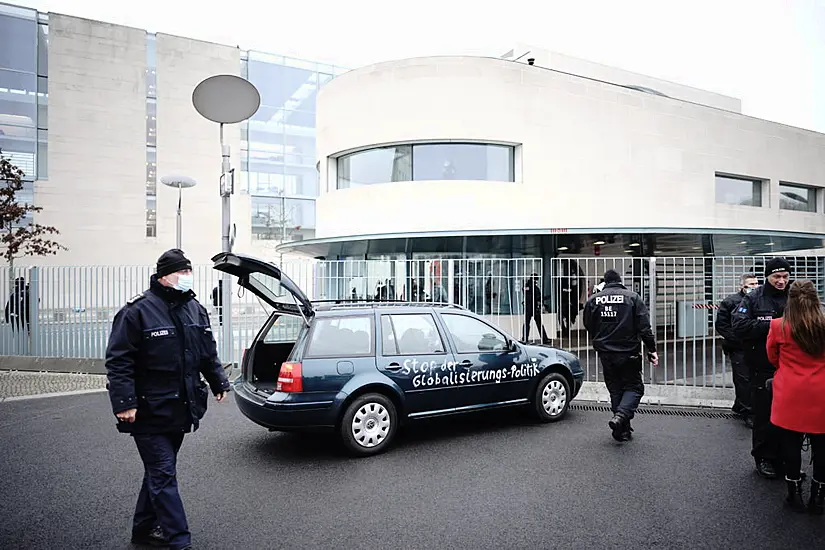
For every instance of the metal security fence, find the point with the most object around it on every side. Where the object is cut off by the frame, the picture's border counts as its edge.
(68, 311)
(683, 294)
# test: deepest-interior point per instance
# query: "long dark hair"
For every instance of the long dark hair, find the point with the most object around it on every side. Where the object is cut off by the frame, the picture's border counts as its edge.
(804, 314)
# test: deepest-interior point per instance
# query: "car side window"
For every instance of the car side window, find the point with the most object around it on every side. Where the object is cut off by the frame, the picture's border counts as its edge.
(341, 337)
(410, 334)
(472, 336)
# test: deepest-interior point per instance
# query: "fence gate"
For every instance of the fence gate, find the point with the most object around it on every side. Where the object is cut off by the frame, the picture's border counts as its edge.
(682, 294)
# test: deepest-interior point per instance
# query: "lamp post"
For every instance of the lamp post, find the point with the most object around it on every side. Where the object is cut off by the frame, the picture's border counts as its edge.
(181, 182)
(226, 99)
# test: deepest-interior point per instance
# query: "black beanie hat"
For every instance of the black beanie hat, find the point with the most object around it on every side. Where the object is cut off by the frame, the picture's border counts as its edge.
(172, 261)
(776, 265)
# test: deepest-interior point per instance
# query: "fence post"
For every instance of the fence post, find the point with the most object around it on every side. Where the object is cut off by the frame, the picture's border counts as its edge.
(34, 311)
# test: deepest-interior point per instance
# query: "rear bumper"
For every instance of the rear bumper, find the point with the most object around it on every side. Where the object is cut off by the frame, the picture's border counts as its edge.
(286, 416)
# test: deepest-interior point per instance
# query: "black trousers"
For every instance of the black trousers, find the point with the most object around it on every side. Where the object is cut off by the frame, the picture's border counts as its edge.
(159, 502)
(623, 378)
(741, 382)
(766, 436)
(792, 453)
(529, 315)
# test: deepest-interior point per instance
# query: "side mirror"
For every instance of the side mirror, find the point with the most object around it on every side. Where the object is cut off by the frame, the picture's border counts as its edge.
(512, 345)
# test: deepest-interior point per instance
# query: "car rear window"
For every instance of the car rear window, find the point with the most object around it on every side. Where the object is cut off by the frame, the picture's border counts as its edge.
(342, 337)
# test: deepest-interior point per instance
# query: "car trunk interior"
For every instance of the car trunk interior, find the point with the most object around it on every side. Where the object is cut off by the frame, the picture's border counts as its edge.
(268, 353)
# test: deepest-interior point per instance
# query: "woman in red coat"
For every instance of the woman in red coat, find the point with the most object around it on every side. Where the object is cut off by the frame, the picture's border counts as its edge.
(796, 346)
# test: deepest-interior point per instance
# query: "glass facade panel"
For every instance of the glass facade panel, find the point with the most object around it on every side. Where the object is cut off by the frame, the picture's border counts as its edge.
(383, 165)
(738, 191)
(18, 39)
(18, 98)
(462, 161)
(278, 153)
(42, 103)
(279, 218)
(43, 49)
(797, 197)
(42, 154)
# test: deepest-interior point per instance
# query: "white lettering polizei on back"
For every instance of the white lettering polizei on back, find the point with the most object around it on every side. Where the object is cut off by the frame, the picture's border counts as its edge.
(610, 299)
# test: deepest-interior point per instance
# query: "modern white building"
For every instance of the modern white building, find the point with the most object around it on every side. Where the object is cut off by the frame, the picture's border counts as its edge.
(96, 114)
(542, 155)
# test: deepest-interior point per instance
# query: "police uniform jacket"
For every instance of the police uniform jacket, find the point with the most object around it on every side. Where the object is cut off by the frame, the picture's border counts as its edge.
(724, 322)
(752, 321)
(161, 343)
(618, 321)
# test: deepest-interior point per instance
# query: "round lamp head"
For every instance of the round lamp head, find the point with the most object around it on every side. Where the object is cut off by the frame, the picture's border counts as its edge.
(178, 182)
(226, 99)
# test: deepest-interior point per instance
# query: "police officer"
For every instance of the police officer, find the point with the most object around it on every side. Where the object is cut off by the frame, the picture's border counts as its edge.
(732, 347)
(751, 323)
(618, 322)
(532, 307)
(161, 343)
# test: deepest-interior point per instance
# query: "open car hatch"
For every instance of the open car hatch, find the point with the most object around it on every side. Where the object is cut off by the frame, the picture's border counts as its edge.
(266, 281)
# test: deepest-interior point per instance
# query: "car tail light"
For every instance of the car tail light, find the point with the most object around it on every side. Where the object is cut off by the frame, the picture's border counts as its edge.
(289, 378)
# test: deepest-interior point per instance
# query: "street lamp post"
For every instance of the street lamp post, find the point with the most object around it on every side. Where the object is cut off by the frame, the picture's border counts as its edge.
(226, 99)
(181, 182)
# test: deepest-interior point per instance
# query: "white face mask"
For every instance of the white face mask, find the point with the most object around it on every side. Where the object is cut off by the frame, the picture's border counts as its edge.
(184, 283)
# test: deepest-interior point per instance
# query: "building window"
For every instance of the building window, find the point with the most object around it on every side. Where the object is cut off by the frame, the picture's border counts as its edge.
(151, 135)
(739, 190)
(426, 162)
(24, 89)
(797, 197)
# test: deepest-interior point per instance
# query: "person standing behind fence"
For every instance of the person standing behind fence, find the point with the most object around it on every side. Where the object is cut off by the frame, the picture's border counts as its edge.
(18, 312)
(532, 308)
(732, 347)
(796, 345)
(618, 322)
(751, 323)
(161, 343)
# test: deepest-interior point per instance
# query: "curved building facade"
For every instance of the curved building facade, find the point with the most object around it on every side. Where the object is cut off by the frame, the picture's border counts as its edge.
(456, 157)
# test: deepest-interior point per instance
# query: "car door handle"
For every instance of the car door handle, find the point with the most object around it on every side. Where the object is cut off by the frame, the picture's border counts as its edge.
(393, 367)
(466, 363)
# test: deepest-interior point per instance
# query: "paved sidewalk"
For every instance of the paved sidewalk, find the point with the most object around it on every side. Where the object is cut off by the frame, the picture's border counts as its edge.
(15, 384)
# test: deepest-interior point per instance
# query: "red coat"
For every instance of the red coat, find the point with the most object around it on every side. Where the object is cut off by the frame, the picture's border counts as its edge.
(798, 385)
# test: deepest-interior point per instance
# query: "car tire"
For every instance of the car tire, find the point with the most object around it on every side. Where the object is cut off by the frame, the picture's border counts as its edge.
(368, 425)
(552, 398)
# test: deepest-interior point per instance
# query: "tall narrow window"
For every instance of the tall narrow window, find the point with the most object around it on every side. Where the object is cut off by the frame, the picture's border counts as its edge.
(151, 136)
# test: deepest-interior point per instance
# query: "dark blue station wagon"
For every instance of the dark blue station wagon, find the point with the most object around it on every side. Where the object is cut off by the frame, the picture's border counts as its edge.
(362, 369)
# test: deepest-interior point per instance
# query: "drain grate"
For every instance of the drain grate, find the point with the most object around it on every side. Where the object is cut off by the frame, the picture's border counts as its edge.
(663, 410)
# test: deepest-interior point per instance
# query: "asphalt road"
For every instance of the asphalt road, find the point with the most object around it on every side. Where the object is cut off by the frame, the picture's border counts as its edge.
(69, 480)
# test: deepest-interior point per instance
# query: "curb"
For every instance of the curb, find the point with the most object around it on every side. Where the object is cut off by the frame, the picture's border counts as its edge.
(44, 395)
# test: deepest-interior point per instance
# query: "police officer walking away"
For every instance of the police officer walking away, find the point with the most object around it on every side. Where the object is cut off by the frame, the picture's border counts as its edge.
(532, 307)
(618, 322)
(751, 324)
(732, 347)
(161, 343)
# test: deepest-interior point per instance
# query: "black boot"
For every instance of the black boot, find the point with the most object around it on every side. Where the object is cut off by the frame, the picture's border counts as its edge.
(155, 537)
(766, 469)
(618, 424)
(794, 498)
(816, 505)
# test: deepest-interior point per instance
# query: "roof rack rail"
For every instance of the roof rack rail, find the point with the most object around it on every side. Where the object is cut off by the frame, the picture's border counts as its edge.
(348, 303)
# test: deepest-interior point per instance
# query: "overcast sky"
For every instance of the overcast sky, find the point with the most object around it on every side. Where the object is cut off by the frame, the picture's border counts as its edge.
(769, 53)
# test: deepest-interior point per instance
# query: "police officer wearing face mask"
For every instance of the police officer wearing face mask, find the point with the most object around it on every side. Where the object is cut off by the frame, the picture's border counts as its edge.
(732, 347)
(751, 323)
(161, 343)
